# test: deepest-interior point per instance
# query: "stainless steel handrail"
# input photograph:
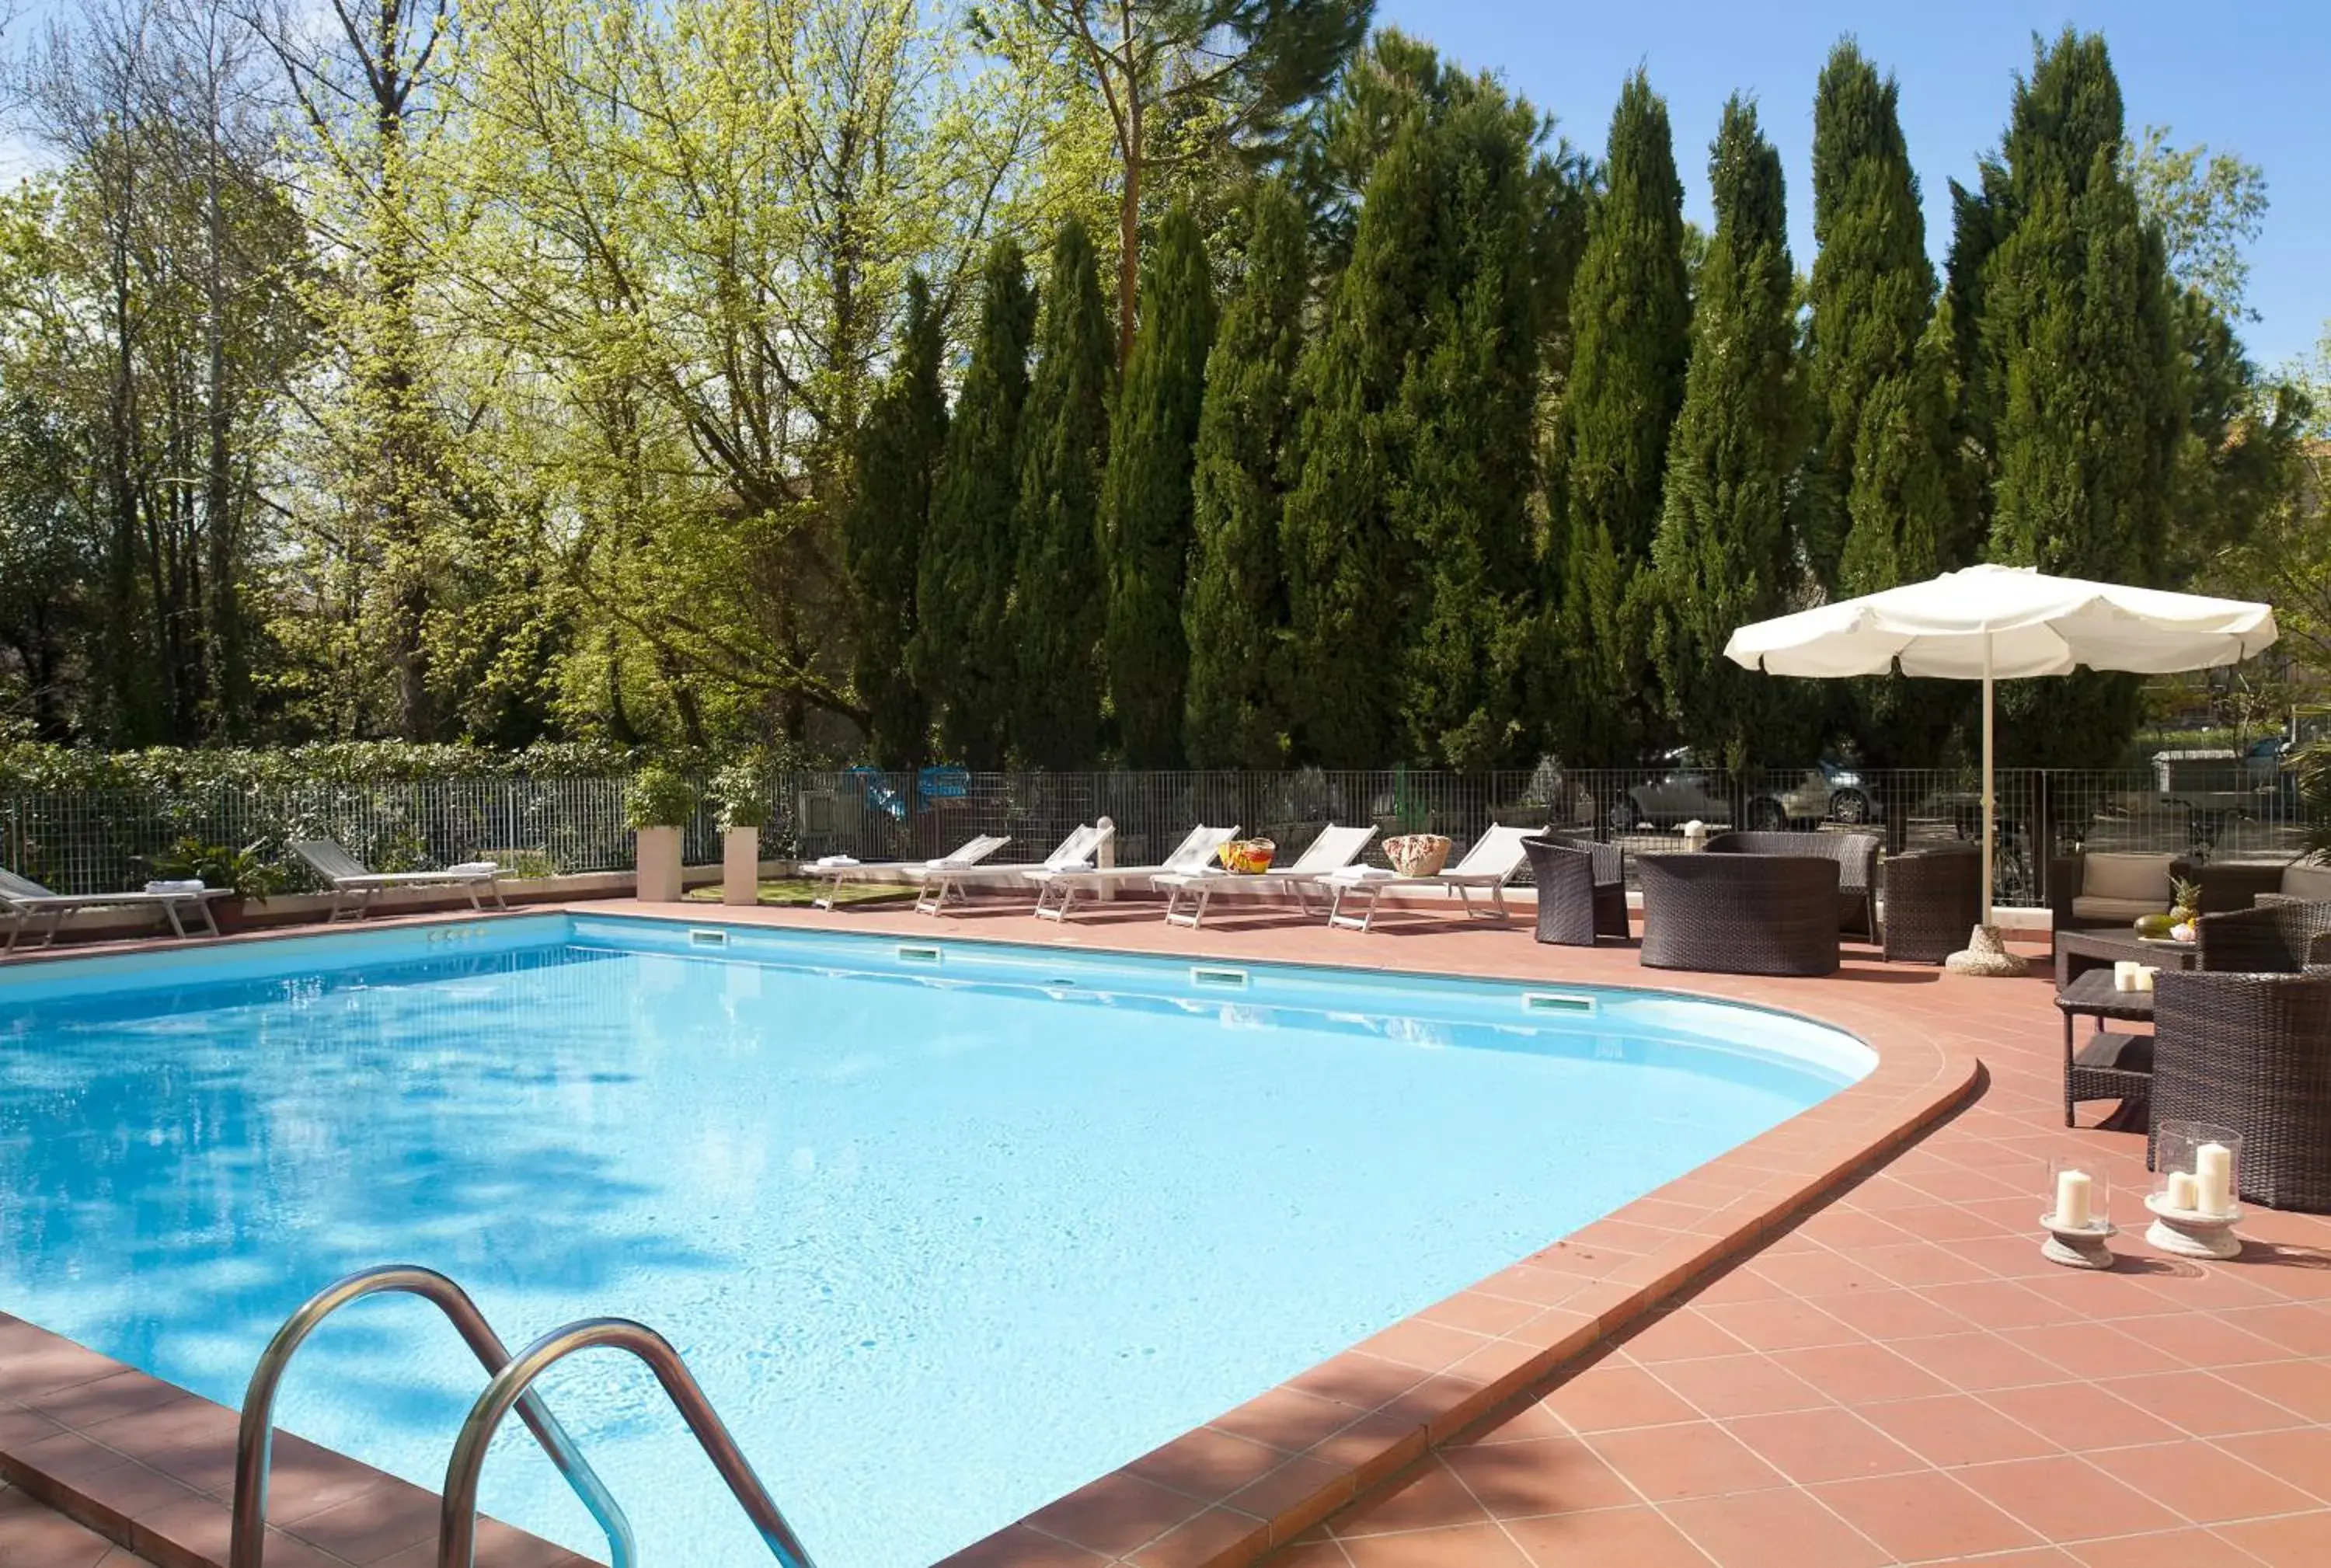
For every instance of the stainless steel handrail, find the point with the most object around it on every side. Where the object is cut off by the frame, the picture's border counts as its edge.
(457, 1533)
(255, 1440)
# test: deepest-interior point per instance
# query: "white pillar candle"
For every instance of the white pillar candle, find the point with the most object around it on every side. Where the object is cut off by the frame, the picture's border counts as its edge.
(2125, 974)
(2072, 1199)
(2213, 1179)
(2144, 973)
(2180, 1193)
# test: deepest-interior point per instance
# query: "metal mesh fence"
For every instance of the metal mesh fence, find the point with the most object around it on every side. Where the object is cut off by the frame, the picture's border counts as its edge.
(88, 841)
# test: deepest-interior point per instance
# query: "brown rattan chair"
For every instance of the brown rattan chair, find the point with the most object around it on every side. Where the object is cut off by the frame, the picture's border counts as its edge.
(1582, 889)
(2251, 1052)
(1740, 914)
(1856, 855)
(1934, 898)
(2278, 939)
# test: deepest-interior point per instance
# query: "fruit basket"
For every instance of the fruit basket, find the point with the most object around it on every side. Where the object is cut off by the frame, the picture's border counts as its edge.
(1248, 855)
(1417, 854)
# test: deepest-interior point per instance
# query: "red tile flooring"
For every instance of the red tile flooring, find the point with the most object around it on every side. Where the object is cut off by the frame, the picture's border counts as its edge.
(1896, 1378)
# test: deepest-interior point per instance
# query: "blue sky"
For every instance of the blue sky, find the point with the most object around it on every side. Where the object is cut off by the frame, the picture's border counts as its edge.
(2245, 77)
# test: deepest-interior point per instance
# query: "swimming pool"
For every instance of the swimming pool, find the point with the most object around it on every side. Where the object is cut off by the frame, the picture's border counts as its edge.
(945, 1229)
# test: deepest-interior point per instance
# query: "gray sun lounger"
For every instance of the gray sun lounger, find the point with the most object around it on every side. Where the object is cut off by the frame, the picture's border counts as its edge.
(23, 901)
(354, 884)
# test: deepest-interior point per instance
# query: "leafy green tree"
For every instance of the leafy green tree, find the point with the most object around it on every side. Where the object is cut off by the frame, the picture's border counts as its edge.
(1234, 615)
(1725, 554)
(1216, 75)
(1467, 409)
(962, 657)
(2210, 207)
(898, 452)
(1058, 609)
(1347, 581)
(1146, 505)
(1631, 318)
(2076, 387)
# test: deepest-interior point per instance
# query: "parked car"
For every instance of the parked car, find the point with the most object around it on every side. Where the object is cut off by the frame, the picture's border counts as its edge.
(1830, 791)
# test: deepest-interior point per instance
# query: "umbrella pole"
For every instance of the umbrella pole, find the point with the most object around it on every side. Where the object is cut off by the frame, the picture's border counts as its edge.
(1986, 953)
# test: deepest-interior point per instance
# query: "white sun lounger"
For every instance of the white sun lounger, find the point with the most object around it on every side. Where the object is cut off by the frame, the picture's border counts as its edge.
(1488, 866)
(1335, 847)
(22, 900)
(1056, 892)
(354, 884)
(835, 870)
(941, 883)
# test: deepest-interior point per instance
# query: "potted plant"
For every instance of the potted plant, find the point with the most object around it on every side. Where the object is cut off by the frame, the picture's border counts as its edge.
(744, 811)
(247, 871)
(658, 804)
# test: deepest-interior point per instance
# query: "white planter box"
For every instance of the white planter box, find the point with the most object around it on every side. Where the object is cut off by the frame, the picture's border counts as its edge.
(659, 865)
(741, 866)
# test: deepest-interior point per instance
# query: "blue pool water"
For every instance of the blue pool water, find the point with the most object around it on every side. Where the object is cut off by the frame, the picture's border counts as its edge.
(943, 1230)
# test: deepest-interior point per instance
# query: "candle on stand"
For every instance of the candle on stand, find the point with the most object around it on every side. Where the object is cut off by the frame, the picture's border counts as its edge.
(2213, 1179)
(2072, 1199)
(2125, 974)
(2180, 1193)
(2144, 973)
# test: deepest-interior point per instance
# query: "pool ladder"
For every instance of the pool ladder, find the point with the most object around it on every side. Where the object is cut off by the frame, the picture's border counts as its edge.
(510, 1385)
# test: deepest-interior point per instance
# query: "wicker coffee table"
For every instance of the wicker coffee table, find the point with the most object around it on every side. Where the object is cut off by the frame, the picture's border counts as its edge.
(2110, 1065)
(2079, 952)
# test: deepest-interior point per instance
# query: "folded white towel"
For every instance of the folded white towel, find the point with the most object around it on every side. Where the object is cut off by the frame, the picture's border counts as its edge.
(475, 868)
(181, 885)
(1360, 873)
(832, 862)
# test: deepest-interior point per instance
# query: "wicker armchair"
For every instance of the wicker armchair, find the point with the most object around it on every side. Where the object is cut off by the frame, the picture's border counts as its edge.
(2251, 1052)
(2279, 939)
(1740, 914)
(1582, 889)
(1856, 855)
(1934, 898)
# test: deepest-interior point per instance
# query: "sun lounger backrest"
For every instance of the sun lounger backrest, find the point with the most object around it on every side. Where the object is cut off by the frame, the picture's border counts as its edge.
(329, 859)
(974, 850)
(15, 886)
(1496, 853)
(1334, 848)
(1195, 851)
(1075, 850)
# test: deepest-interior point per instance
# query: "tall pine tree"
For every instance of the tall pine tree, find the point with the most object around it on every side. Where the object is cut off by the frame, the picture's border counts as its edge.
(1630, 325)
(1057, 610)
(1724, 555)
(2074, 376)
(1147, 502)
(1467, 408)
(898, 449)
(1883, 507)
(961, 657)
(1235, 610)
(1347, 585)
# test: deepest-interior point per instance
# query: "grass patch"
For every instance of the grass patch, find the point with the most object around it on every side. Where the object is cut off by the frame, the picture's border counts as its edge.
(795, 892)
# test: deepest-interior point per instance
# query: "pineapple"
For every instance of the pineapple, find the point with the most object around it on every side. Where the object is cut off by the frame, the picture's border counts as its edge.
(2184, 908)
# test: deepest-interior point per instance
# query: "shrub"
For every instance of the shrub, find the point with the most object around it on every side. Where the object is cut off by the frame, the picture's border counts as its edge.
(659, 798)
(250, 873)
(739, 796)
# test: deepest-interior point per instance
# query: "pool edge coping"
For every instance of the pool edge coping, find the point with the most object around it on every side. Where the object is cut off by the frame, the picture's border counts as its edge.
(1222, 1496)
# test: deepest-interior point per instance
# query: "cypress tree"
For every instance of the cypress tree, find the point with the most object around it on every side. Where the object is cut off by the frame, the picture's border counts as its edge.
(1723, 552)
(2074, 365)
(1147, 502)
(1631, 323)
(1058, 613)
(1235, 612)
(898, 462)
(1466, 409)
(1347, 587)
(961, 659)
(1881, 505)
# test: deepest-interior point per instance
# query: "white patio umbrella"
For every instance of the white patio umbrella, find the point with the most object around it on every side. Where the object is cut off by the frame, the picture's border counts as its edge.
(1993, 623)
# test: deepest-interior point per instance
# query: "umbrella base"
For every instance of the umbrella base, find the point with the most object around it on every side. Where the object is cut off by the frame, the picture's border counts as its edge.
(1984, 954)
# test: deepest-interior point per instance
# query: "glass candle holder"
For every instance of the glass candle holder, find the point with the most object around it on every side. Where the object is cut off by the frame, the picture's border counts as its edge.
(2197, 1168)
(2078, 1196)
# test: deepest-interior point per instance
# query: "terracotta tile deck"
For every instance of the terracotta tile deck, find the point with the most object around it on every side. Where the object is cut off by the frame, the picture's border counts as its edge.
(1801, 1355)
